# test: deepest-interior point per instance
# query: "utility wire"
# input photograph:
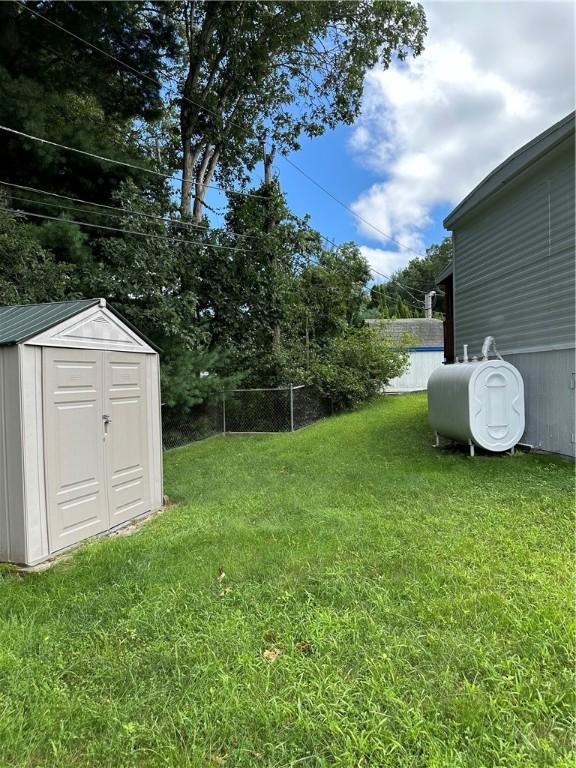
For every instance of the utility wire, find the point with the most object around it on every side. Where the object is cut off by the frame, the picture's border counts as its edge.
(118, 211)
(121, 162)
(347, 207)
(203, 106)
(166, 238)
(215, 114)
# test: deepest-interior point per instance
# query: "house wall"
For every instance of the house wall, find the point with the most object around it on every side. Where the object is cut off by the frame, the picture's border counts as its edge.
(550, 400)
(514, 263)
(514, 279)
(415, 378)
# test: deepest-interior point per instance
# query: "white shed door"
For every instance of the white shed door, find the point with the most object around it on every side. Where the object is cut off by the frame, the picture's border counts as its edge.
(74, 445)
(126, 435)
(96, 442)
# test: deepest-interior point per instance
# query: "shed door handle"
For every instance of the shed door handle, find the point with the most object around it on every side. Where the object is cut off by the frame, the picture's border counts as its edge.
(107, 420)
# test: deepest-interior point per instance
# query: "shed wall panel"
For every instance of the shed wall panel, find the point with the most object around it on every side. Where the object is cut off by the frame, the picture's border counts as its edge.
(514, 274)
(155, 430)
(33, 453)
(12, 512)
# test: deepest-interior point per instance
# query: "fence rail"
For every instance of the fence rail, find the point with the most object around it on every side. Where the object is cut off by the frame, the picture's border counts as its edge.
(255, 410)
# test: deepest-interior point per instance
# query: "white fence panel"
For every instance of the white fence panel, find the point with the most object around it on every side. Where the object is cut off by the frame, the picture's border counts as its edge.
(416, 376)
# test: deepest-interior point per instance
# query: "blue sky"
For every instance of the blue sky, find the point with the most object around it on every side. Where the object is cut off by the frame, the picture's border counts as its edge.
(331, 162)
(493, 75)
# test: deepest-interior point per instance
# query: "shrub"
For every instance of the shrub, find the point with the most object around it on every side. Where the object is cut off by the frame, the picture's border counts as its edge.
(352, 367)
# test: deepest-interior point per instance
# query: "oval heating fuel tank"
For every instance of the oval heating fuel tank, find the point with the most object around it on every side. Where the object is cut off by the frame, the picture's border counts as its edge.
(479, 403)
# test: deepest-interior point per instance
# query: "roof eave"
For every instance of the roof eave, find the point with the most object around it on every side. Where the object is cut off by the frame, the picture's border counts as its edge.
(446, 272)
(507, 171)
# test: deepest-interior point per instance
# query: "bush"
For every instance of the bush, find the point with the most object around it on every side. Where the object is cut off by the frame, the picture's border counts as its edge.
(352, 367)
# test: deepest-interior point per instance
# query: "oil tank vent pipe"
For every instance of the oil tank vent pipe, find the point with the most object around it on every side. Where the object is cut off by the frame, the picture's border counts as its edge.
(465, 355)
(490, 341)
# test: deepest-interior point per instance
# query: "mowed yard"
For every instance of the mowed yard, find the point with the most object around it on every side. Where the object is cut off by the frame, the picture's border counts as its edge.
(342, 596)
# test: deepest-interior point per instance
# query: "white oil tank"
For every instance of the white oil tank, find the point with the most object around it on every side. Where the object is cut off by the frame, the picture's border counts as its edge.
(479, 403)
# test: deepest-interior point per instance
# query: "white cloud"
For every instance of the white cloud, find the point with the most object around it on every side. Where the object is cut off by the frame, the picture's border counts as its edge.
(383, 262)
(492, 77)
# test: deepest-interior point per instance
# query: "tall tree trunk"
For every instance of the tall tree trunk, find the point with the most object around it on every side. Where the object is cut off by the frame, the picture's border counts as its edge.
(203, 178)
(188, 163)
(189, 112)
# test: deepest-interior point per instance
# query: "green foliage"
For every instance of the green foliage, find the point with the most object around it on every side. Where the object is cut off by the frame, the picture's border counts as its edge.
(331, 291)
(422, 604)
(52, 88)
(277, 68)
(355, 365)
(67, 241)
(190, 378)
(401, 309)
(417, 277)
(28, 272)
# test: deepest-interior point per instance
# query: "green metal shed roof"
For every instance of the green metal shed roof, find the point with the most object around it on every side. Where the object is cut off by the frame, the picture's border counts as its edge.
(21, 322)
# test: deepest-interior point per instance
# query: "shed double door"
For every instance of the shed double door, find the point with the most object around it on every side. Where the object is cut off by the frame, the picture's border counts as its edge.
(95, 441)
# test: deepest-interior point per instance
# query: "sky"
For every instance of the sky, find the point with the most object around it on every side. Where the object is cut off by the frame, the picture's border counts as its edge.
(493, 75)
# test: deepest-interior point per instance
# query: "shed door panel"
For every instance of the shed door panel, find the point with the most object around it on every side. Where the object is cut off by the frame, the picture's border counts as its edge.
(126, 435)
(74, 446)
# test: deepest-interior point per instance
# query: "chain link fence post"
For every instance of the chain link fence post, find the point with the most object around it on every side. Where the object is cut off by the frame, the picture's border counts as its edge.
(257, 410)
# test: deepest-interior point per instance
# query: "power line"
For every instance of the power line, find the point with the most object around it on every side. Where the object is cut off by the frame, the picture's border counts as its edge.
(203, 106)
(350, 210)
(165, 238)
(118, 211)
(120, 162)
(207, 109)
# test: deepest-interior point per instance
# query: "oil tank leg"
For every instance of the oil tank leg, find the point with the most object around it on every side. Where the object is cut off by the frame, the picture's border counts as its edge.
(471, 444)
(436, 440)
(512, 450)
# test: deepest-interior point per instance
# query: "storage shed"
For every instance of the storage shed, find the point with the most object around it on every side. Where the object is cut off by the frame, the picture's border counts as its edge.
(80, 430)
(426, 351)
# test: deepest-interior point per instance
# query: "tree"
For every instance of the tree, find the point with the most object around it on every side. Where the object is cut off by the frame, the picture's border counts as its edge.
(415, 279)
(356, 365)
(331, 290)
(283, 69)
(401, 309)
(28, 272)
(53, 87)
(246, 294)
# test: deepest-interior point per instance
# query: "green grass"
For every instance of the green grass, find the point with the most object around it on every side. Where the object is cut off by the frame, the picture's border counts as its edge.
(421, 601)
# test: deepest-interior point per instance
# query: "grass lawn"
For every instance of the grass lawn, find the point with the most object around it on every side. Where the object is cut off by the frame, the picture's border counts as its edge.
(343, 596)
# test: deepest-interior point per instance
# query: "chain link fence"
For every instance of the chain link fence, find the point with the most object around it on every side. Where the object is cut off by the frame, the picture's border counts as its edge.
(278, 409)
